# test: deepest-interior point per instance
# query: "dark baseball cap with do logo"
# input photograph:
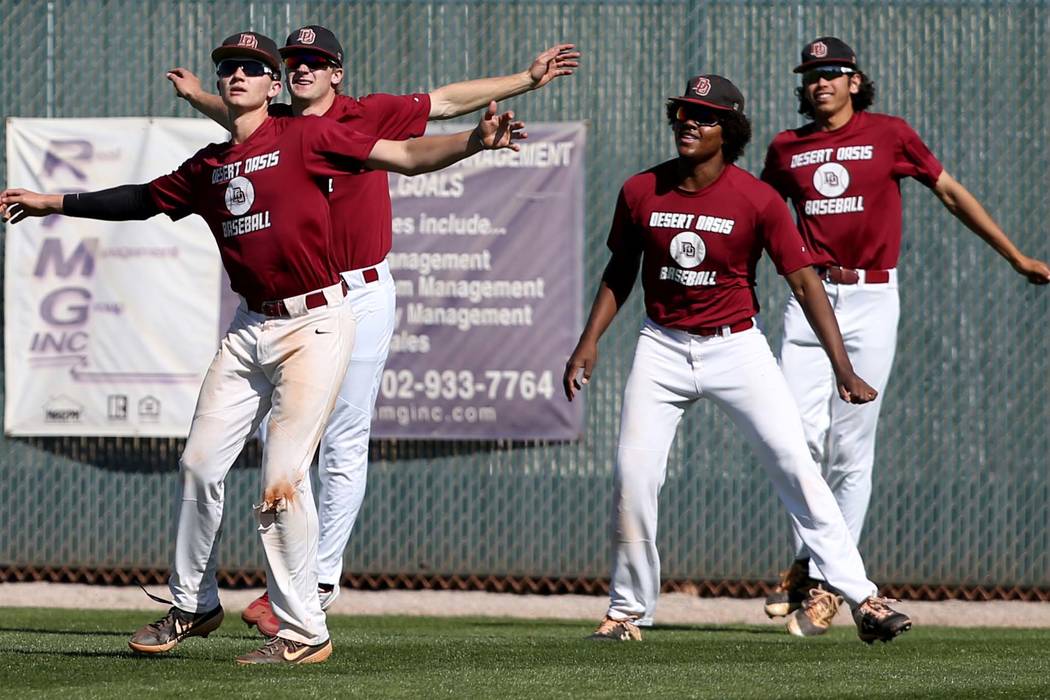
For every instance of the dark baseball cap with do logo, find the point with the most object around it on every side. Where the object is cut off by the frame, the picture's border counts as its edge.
(314, 39)
(826, 51)
(712, 91)
(249, 45)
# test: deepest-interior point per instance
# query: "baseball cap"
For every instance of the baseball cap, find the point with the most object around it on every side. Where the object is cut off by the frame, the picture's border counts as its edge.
(824, 51)
(251, 45)
(315, 39)
(712, 91)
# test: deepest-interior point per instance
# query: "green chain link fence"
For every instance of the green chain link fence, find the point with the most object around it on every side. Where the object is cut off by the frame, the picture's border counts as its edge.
(961, 490)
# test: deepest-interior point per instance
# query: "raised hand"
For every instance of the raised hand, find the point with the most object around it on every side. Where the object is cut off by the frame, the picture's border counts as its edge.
(187, 85)
(17, 204)
(496, 131)
(1035, 271)
(553, 63)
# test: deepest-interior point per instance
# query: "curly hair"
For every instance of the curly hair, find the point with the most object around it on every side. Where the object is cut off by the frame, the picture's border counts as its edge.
(864, 98)
(736, 131)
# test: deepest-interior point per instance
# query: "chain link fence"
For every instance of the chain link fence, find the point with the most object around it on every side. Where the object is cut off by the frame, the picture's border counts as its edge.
(961, 490)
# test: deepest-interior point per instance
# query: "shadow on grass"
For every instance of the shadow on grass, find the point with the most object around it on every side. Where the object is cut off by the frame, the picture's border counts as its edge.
(586, 627)
(69, 633)
(519, 623)
(86, 654)
(720, 629)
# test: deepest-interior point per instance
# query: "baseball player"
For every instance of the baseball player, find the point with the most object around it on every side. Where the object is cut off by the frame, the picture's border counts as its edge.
(842, 173)
(696, 225)
(290, 342)
(361, 223)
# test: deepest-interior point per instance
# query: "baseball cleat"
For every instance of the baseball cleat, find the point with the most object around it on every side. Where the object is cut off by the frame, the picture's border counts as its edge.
(791, 590)
(162, 635)
(876, 620)
(279, 650)
(257, 609)
(816, 614)
(611, 630)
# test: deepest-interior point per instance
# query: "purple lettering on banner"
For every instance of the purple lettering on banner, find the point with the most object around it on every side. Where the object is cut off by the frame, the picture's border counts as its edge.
(487, 257)
(81, 261)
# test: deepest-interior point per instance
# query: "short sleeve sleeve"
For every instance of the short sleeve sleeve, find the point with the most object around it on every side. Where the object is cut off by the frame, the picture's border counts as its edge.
(772, 175)
(331, 148)
(781, 238)
(173, 193)
(624, 235)
(396, 117)
(913, 158)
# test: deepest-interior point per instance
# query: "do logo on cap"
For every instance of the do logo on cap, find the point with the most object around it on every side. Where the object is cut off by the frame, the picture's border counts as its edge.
(702, 87)
(307, 36)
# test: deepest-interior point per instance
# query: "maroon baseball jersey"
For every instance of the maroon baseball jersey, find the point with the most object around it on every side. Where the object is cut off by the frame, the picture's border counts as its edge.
(360, 202)
(845, 186)
(699, 249)
(263, 204)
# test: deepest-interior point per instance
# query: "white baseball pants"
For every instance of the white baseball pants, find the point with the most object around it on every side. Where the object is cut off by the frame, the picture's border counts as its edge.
(290, 367)
(342, 467)
(343, 459)
(672, 369)
(841, 436)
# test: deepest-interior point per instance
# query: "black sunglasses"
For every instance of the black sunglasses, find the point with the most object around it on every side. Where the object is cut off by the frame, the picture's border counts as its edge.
(703, 116)
(311, 61)
(251, 68)
(825, 73)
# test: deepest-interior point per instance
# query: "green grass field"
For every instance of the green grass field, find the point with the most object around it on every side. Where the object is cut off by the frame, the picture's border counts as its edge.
(85, 655)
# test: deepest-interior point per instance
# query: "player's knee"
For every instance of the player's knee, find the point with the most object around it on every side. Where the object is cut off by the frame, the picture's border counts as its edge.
(199, 482)
(795, 461)
(277, 497)
(195, 464)
(639, 470)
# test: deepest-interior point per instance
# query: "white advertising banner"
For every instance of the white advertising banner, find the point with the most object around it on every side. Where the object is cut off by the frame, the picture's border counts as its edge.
(108, 327)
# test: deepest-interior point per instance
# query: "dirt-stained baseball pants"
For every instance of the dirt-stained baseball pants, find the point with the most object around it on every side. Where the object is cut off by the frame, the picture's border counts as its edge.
(672, 369)
(290, 367)
(342, 469)
(841, 436)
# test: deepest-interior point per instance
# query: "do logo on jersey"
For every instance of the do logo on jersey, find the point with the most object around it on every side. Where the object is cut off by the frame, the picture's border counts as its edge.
(831, 179)
(688, 249)
(240, 195)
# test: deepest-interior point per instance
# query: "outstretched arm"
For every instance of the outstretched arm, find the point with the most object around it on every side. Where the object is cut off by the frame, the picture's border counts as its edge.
(455, 99)
(427, 153)
(965, 207)
(188, 86)
(617, 282)
(809, 291)
(124, 203)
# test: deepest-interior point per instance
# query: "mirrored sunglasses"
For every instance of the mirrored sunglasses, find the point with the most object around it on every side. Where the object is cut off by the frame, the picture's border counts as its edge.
(311, 61)
(251, 68)
(825, 73)
(703, 116)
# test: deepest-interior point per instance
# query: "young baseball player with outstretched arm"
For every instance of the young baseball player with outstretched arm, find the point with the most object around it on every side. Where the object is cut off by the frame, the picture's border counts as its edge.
(842, 173)
(361, 227)
(289, 344)
(696, 227)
